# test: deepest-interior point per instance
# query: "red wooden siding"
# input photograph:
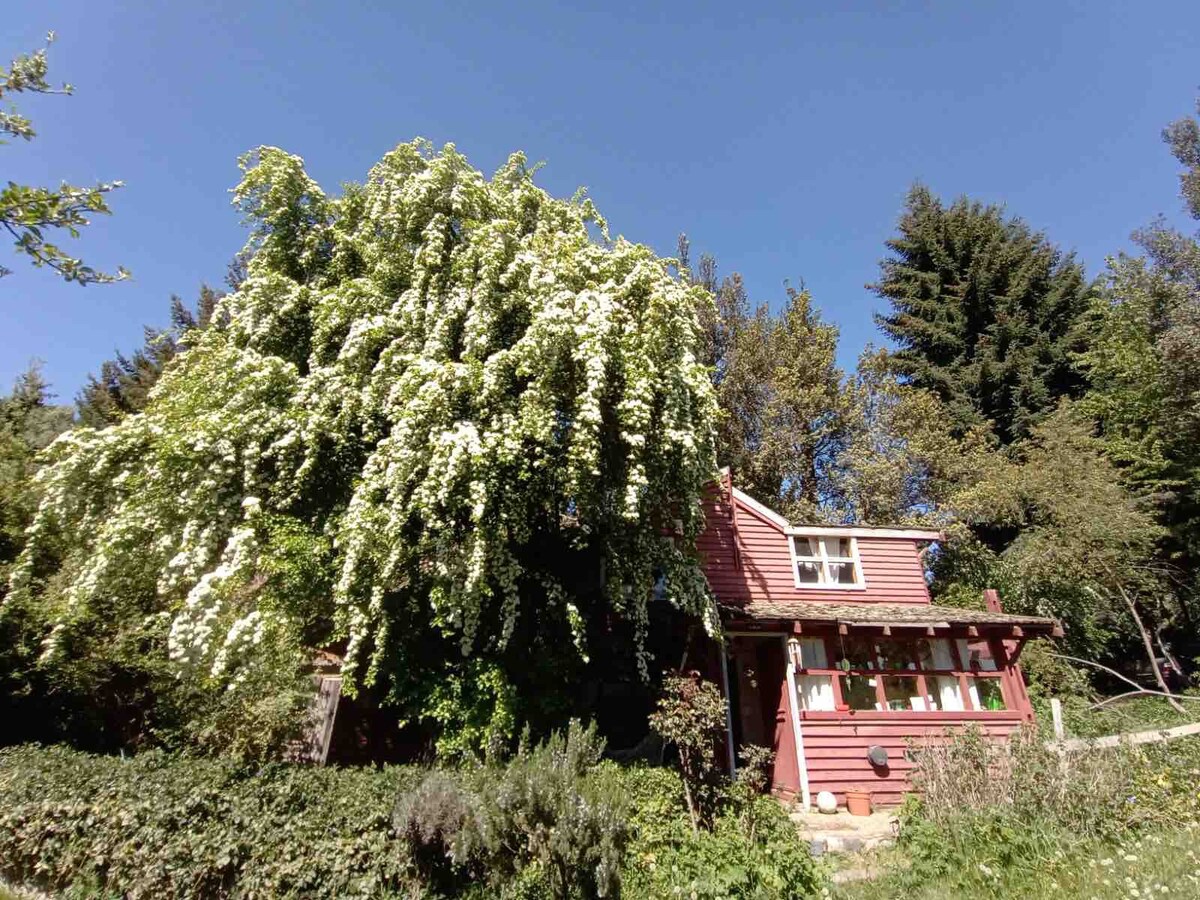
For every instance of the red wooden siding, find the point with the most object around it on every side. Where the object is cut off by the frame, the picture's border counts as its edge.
(891, 567)
(836, 750)
(836, 744)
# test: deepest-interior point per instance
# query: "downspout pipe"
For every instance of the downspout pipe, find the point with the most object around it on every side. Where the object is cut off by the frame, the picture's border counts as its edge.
(728, 712)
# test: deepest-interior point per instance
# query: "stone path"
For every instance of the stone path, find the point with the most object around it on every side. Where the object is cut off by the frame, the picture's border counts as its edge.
(841, 832)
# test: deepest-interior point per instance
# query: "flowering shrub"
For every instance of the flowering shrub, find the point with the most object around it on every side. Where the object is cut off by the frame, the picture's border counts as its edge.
(690, 716)
(459, 391)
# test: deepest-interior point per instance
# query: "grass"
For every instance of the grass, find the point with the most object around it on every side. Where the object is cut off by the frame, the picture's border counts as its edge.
(1159, 864)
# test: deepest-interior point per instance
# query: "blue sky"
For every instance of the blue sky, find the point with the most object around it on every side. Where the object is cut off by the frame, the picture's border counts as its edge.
(782, 138)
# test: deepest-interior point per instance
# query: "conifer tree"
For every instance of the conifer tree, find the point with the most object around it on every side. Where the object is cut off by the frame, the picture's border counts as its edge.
(124, 382)
(986, 312)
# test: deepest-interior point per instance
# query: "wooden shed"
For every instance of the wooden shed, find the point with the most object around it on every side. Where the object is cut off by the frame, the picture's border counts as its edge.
(836, 657)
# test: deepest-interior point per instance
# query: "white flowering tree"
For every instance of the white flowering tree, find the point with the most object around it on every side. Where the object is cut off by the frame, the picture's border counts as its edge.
(440, 406)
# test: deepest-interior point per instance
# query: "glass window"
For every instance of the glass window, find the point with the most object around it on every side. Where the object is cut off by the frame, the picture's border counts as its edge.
(945, 693)
(816, 692)
(857, 653)
(826, 561)
(903, 694)
(808, 571)
(976, 655)
(812, 653)
(842, 573)
(898, 653)
(858, 692)
(987, 694)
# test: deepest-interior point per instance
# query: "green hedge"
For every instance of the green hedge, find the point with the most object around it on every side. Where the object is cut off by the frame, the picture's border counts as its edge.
(159, 825)
(162, 826)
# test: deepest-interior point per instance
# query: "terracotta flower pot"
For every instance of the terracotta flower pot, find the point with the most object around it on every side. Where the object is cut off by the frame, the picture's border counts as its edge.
(858, 803)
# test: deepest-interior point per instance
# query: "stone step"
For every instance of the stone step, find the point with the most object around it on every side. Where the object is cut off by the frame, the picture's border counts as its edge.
(841, 832)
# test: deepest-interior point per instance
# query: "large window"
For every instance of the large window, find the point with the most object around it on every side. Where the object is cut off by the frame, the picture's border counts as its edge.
(826, 562)
(899, 675)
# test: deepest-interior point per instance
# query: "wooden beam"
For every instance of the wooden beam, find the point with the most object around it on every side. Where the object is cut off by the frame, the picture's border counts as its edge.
(842, 629)
(1015, 654)
(1057, 631)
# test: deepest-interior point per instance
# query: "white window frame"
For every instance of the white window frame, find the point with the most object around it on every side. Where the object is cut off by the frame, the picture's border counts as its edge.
(860, 582)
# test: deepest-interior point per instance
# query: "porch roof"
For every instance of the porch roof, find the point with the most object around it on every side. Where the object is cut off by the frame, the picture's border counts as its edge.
(875, 615)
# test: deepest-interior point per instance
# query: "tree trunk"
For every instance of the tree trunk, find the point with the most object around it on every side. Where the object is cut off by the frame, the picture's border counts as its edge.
(1149, 645)
(1167, 654)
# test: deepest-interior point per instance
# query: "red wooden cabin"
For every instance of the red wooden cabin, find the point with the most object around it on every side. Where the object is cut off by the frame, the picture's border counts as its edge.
(834, 649)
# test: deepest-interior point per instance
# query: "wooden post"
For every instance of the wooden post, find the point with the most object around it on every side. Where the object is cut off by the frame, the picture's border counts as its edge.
(1056, 715)
(797, 733)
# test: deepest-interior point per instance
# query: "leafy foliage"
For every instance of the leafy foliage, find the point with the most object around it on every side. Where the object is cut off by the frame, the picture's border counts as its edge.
(31, 215)
(1054, 530)
(806, 439)
(691, 716)
(488, 417)
(552, 823)
(669, 859)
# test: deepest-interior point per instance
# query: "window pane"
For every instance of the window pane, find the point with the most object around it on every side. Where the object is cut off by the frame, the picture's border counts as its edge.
(816, 692)
(902, 694)
(977, 655)
(897, 654)
(839, 548)
(858, 692)
(946, 694)
(812, 653)
(934, 653)
(857, 653)
(810, 572)
(842, 573)
(808, 547)
(991, 697)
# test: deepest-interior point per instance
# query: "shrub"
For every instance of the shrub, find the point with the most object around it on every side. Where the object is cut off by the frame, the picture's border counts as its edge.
(691, 715)
(667, 859)
(430, 820)
(549, 805)
(554, 822)
(159, 826)
(986, 808)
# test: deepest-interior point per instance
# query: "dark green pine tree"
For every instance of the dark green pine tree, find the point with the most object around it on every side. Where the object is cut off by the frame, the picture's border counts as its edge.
(985, 312)
(124, 383)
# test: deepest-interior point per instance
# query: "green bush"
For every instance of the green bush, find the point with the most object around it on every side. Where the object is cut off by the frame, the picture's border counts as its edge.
(764, 859)
(549, 808)
(158, 826)
(690, 716)
(553, 822)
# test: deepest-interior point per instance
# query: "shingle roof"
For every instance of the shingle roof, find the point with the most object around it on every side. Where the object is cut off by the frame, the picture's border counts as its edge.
(904, 614)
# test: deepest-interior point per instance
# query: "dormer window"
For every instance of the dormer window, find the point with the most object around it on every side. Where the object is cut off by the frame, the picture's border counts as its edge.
(824, 561)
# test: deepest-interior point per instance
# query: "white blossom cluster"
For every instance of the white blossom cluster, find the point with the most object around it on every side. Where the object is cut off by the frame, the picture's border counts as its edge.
(487, 363)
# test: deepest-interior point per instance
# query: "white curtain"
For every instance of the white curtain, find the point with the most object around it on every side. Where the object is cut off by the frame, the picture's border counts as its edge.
(948, 691)
(816, 691)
